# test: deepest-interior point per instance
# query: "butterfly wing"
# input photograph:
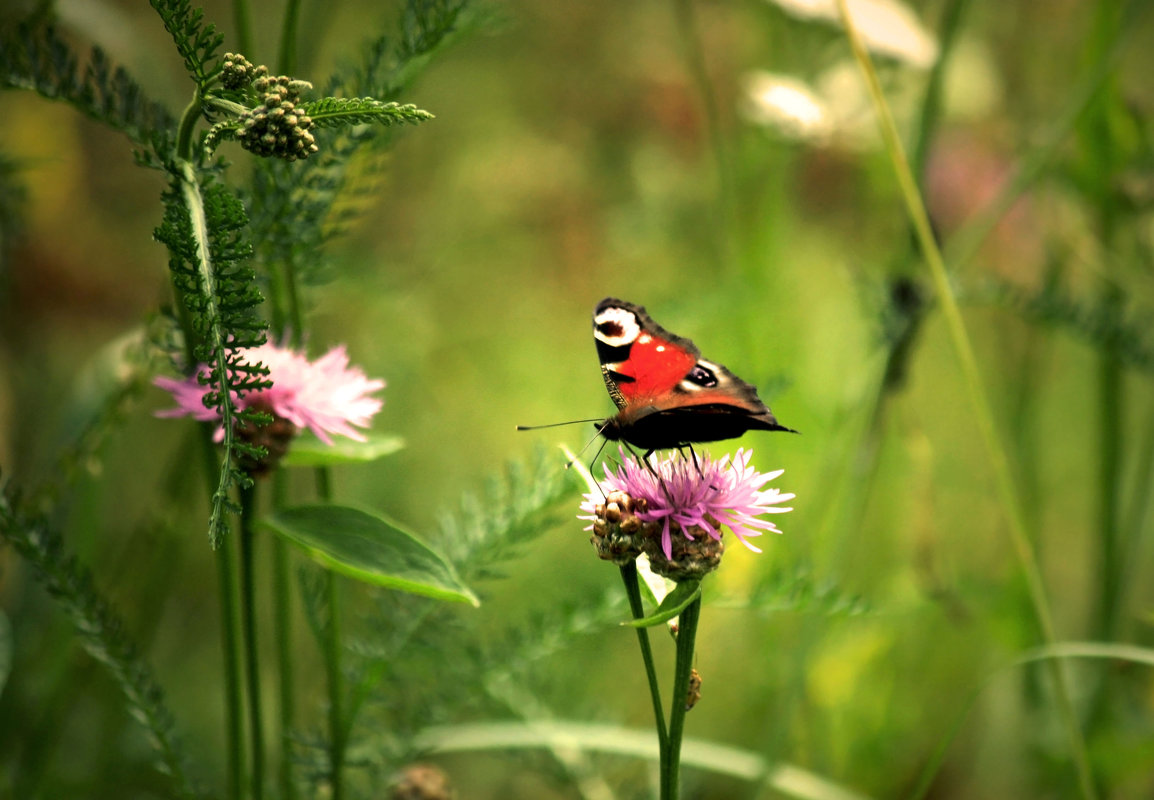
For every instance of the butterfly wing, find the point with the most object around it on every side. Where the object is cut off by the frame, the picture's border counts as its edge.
(666, 393)
(640, 361)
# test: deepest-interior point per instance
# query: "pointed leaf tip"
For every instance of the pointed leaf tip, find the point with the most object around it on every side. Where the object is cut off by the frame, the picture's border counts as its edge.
(371, 549)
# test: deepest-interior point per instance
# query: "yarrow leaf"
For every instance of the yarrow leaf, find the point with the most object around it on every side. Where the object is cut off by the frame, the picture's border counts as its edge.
(332, 112)
(203, 229)
(196, 41)
(37, 59)
(101, 631)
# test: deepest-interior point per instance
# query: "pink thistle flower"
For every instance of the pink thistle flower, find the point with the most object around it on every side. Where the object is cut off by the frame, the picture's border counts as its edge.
(706, 496)
(327, 396)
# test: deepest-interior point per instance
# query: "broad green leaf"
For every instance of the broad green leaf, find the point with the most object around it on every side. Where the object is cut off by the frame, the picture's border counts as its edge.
(673, 604)
(309, 451)
(371, 549)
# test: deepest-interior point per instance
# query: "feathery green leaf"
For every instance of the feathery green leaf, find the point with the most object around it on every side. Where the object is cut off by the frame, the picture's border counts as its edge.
(196, 41)
(332, 112)
(101, 631)
(37, 59)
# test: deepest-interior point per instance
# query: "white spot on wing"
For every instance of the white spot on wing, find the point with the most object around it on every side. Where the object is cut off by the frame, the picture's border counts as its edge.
(624, 319)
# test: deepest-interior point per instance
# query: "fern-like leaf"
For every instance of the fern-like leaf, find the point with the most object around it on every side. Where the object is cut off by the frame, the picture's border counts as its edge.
(298, 208)
(208, 256)
(1098, 323)
(37, 59)
(101, 631)
(196, 41)
(514, 509)
(332, 112)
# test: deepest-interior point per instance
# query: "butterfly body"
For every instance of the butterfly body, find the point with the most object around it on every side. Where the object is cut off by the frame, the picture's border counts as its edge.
(666, 394)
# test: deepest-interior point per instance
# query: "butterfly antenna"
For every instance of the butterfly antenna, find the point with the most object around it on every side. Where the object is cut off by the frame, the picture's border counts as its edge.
(586, 447)
(556, 425)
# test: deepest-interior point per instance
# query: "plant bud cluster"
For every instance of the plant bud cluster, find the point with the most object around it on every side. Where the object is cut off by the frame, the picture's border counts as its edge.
(277, 127)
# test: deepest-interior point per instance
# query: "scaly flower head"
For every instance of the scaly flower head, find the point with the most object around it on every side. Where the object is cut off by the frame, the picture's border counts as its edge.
(327, 396)
(686, 503)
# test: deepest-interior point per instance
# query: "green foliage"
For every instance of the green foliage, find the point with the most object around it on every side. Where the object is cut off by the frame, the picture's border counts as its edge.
(334, 112)
(799, 590)
(195, 41)
(101, 632)
(675, 602)
(371, 549)
(309, 451)
(514, 509)
(1095, 321)
(37, 59)
(297, 209)
(208, 259)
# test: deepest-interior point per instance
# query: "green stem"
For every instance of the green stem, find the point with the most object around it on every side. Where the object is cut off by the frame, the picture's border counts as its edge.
(978, 398)
(230, 640)
(252, 659)
(287, 57)
(333, 666)
(932, 103)
(188, 121)
(229, 619)
(965, 244)
(690, 35)
(338, 730)
(686, 636)
(633, 591)
(242, 18)
(282, 624)
(1110, 454)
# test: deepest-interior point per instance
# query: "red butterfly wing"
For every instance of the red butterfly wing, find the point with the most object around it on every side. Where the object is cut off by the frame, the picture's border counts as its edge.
(667, 395)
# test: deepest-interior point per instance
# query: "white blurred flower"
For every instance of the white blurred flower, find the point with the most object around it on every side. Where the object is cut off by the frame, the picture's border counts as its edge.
(887, 27)
(787, 104)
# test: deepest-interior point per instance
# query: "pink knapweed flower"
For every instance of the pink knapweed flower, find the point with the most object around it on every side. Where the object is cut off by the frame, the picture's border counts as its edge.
(704, 496)
(327, 396)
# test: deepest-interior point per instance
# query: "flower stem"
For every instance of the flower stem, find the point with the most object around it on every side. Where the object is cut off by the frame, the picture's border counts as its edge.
(188, 120)
(689, 33)
(252, 661)
(230, 640)
(686, 636)
(242, 18)
(282, 624)
(979, 400)
(633, 591)
(287, 57)
(229, 623)
(337, 728)
(336, 689)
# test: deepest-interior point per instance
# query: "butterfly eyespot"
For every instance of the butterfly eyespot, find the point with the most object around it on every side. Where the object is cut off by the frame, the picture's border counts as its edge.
(701, 376)
(616, 327)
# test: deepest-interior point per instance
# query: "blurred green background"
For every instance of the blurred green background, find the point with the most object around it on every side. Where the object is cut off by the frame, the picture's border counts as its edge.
(590, 149)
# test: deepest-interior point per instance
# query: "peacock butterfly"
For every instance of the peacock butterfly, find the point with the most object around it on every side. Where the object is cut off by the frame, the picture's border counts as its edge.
(667, 395)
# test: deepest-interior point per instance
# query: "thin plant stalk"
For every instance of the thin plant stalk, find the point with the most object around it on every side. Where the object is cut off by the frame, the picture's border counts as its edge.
(965, 244)
(229, 618)
(690, 35)
(230, 642)
(337, 736)
(633, 591)
(242, 18)
(679, 705)
(282, 628)
(252, 658)
(287, 56)
(338, 733)
(1003, 478)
